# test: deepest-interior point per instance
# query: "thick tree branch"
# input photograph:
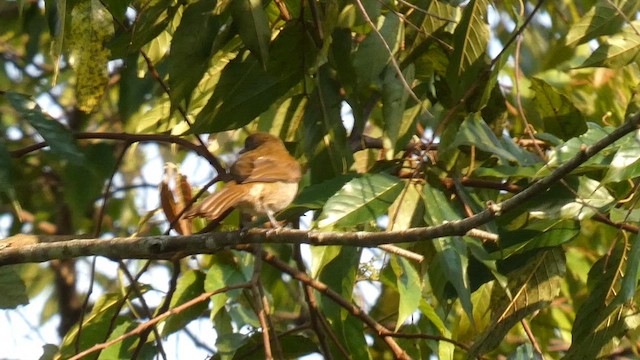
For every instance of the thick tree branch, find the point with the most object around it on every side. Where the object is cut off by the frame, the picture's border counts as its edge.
(29, 248)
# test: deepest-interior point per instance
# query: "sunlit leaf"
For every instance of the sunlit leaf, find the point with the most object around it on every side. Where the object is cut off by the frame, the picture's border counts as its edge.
(576, 198)
(560, 116)
(470, 41)
(95, 326)
(120, 348)
(618, 50)
(475, 132)
(409, 289)
(532, 287)
(152, 18)
(606, 313)
(570, 148)
(313, 197)
(537, 234)
(245, 89)
(438, 14)
(360, 200)
(625, 163)
(605, 18)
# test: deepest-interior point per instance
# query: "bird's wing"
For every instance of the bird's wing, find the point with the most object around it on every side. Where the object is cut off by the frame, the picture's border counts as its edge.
(277, 166)
(216, 204)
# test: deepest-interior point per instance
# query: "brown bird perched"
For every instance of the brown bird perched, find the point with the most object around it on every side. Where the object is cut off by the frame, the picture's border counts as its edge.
(264, 181)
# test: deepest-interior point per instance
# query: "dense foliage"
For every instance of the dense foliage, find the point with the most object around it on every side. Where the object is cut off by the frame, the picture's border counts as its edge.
(403, 114)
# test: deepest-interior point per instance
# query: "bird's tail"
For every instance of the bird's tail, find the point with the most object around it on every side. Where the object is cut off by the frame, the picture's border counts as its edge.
(217, 204)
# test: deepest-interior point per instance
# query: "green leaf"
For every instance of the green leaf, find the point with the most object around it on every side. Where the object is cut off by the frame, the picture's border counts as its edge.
(618, 50)
(12, 289)
(325, 138)
(321, 256)
(284, 116)
(448, 272)
(569, 149)
(394, 100)
(475, 132)
(85, 183)
(117, 8)
(470, 41)
(372, 55)
(56, 12)
(7, 170)
(313, 197)
(95, 327)
(361, 200)
(252, 24)
(530, 288)
(607, 313)
(151, 20)
(121, 349)
(439, 14)
(409, 288)
(191, 48)
(605, 18)
(222, 273)
(560, 116)
(245, 89)
(228, 344)
(340, 275)
(58, 137)
(576, 198)
(190, 285)
(449, 264)
(535, 235)
(625, 163)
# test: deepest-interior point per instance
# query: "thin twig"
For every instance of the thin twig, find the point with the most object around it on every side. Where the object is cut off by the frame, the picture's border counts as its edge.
(402, 252)
(314, 312)
(354, 310)
(144, 326)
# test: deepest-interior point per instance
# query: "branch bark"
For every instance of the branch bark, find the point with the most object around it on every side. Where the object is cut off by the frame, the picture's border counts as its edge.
(31, 248)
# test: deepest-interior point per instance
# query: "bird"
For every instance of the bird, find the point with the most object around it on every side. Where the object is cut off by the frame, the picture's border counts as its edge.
(263, 180)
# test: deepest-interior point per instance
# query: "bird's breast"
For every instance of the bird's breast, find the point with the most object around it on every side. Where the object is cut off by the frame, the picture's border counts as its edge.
(262, 198)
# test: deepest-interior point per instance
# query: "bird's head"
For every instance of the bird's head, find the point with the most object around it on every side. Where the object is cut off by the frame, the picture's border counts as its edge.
(256, 140)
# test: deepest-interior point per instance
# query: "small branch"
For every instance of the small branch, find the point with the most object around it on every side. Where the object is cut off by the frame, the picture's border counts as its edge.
(410, 255)
(142, 327)
(532, 338)
(354, 310)
(128, 137)
(314, 313)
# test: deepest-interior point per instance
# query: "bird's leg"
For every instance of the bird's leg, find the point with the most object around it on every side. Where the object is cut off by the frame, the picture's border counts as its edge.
(272, 218)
